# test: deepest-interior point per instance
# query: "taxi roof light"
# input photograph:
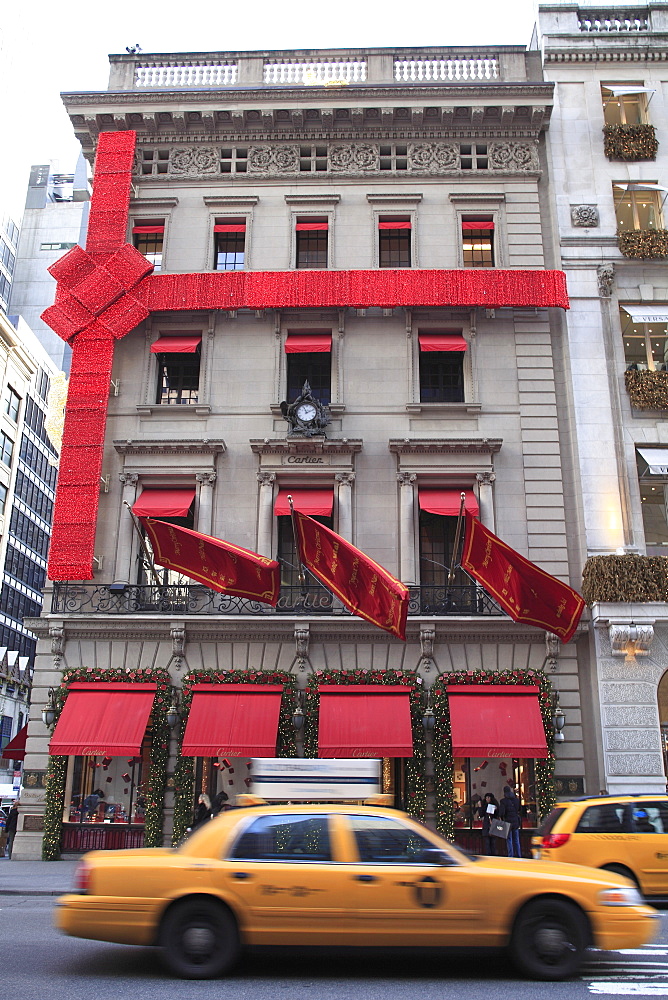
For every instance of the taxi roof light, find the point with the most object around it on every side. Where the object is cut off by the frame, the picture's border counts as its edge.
(556, 839)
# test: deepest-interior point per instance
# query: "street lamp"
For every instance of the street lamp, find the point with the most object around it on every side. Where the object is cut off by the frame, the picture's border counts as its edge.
(558, 719)
(173, 715)
(50, 709)
(298, 714)
(428, 718)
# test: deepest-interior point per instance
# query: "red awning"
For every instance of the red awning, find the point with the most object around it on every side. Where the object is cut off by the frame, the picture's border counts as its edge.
(394, 225)
(16, 748)
(447, 502)
(164, 503)
(364, 720)
(308, 343)
(310, 227)
(315, 503)
(496, 720)
(441, 342)
(176, 345)
(477, 225)
(241, 228)
(103, 719)
(233, 720)
(148, 229)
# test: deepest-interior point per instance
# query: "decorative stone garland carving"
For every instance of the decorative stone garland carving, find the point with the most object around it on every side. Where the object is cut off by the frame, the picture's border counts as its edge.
(522, 156)
(433, 157)
(192, 161)
(584, 216)
(353, 158)
(273, 160)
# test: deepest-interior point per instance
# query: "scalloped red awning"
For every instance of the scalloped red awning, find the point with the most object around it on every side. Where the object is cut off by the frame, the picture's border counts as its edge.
(233, 720)
(163, 503)
(447, 502)
(496, 720)
(315, 503)
(103, 719)
(441, 342)
(176, 345)
(364, 720)
(308, 343)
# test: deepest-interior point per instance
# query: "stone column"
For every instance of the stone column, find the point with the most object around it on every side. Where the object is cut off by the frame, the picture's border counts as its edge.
(265, 512)
(205, 508)
(485, 480)
(124, 547)
(345, 482)
(407, 528)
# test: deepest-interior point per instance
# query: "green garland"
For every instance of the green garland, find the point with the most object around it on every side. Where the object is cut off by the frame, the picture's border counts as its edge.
(625, 579)
(630, 142)
(155, 788)
(647, 390)
(184, 772)
(442, 744)
(415, 765)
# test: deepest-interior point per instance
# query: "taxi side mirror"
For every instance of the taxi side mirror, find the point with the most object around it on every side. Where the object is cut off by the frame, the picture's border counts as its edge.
(435, 856)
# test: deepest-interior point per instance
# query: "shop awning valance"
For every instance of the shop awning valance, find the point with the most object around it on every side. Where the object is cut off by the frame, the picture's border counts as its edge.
(16, 748)
(164, 502)
(315, 503)
(233, 720)
(441, 342)
(477, 224)
(447, 502)
(103, 719)
(311, 227)
(177, 345)
(364, 720)
(647, 314)
(231, 228)
(308, 343)
(657, 460)
(148, 229)
(496, 720)
(394, 225)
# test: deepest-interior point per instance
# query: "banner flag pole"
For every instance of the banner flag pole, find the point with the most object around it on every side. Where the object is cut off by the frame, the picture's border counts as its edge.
(455, 549)
(148, 555)
(301, 575)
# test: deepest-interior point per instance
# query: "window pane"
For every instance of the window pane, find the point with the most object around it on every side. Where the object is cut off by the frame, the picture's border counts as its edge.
(387, 841)
(478, 247)
(394, 248)
(316, 369)
(312, 249)
(178, 380)
(150, 244)
(230, 251)
(607, 818)
(638, 210)
(285, 838)
(650, 817)
(441, 376)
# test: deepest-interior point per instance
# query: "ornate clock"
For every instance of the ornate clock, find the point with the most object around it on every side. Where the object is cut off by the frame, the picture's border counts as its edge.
(306, 416)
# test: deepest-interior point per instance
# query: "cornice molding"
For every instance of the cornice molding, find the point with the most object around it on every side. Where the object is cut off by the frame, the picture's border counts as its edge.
(149, 202)
(445, 446)
(183, 446)
(234, 200)
(306, 446)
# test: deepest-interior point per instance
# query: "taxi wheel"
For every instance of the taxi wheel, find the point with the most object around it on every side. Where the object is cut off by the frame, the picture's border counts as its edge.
(622, 870)
(199, 939)
(549, 940)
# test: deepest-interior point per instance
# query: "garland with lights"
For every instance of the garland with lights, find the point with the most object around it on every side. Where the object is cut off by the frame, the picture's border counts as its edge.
(442, 742)
(625, 579)
(416, 803)
(184, 772)
(155, 785)
(647, 390)
(630, 142)
(644, 244)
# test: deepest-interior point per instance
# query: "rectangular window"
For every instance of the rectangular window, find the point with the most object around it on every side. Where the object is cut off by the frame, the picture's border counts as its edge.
(316, 369)
(11, 403)
(3, 498)
(437, 538)
(441, 367)
(318, 598)
(645, 343)
(624, 104)
(230, 244)
(394, 241)
(653, 482)
(167, 577)
(6, 448)
(148, 236)
(478, 241)
(637, 209)
(312, 242)
(178, 379)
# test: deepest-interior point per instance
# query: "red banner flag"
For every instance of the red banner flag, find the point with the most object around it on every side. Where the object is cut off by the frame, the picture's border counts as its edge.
(361, 584)
(525, 591)
(220, 565)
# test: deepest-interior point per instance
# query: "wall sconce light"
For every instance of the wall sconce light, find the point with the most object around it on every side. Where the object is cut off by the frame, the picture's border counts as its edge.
(558, 719)
(428, 719)
(298, 714)
(173, 713)
(50, 709)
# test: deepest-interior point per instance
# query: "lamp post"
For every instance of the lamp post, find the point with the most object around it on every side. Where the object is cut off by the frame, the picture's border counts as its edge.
(50, 709)
(558, 719)
(173, 713)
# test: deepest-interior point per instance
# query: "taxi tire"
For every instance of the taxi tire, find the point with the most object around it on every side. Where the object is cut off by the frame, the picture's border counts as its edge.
(199, 939)
(549, 940)
(622, 870)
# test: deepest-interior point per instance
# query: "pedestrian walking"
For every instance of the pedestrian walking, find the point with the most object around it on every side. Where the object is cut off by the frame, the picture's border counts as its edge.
(490, 809)
(509, 809)
(12, 821)
(202, 812)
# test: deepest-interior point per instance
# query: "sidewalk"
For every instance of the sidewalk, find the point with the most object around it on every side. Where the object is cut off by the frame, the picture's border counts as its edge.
(36, 878)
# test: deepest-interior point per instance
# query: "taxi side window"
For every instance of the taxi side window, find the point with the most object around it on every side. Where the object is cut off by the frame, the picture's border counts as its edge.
(650, 817)
(606, 817)
(381, 839)
(284, 838)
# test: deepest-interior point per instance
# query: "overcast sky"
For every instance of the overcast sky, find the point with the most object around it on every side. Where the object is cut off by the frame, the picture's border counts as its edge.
(49, 48)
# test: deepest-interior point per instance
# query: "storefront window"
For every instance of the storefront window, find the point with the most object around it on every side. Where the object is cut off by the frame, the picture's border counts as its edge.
(108, 789)
(474, 777)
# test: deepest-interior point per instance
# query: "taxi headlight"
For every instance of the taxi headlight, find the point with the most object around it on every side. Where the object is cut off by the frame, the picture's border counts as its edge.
(620, 896)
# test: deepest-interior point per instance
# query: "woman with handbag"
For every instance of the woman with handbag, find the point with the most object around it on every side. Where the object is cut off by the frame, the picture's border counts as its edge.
(509, 810)
(489, 810)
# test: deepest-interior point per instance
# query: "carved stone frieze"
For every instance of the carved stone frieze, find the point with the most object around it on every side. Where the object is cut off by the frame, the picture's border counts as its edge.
(193, 161)
(354, 158)
(584, 216)
(630, 640)
(635, 764)
(433, 157)
(630, 715)
(618, 670)
(633, 739)
(629, 694)
(605, 274)
(513, 156)
(273, 160)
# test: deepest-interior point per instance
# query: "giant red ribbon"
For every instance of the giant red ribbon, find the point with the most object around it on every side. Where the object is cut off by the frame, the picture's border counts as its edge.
(105, 291)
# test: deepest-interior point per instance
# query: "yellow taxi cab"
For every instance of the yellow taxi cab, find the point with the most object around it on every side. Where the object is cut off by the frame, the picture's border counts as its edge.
(345, 876)
(626, 834)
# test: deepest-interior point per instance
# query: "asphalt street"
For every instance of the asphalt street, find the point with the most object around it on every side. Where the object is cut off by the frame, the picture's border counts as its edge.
(38, 963)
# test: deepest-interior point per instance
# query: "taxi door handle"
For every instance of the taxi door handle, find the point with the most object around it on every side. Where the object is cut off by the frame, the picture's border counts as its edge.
(366, 878)
(240, 875)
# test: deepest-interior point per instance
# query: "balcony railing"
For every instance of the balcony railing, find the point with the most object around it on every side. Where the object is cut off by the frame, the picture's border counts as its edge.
(191, 599)
(614, 21)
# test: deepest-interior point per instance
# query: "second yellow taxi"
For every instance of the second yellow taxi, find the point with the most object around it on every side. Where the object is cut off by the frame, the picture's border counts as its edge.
(345, 877)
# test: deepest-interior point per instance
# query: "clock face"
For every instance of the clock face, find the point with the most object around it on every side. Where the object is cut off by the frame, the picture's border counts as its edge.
(306, 412)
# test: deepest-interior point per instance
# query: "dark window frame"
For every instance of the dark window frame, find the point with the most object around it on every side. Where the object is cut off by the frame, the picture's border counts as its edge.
(151, 245)
(178, 379)
(395, 246)
(485, 254)
(441, 376)
(314, 368)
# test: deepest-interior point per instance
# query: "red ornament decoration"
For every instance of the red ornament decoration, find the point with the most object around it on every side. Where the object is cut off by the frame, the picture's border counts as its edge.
(106, 290)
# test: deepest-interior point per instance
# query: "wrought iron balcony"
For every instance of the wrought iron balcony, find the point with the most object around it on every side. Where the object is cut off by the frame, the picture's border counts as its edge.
(191, 599)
